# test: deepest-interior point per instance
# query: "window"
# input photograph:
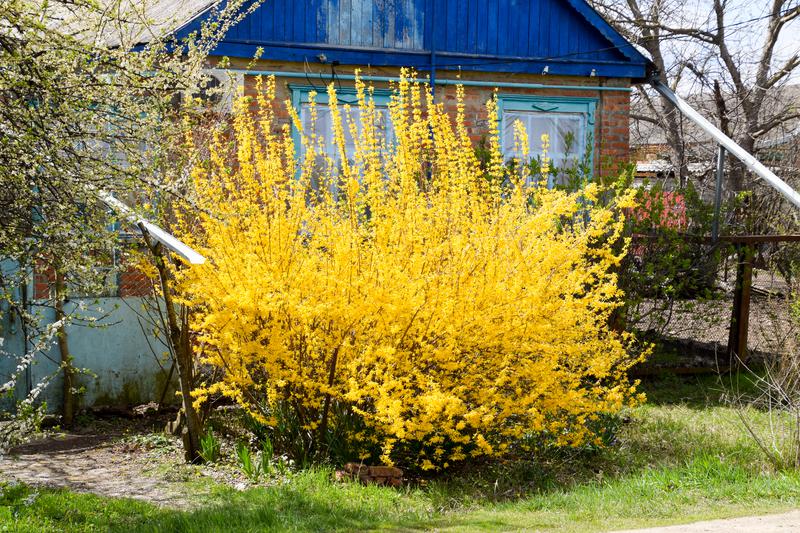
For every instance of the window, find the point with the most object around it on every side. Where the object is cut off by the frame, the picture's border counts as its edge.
(324, 126)
(569, 122)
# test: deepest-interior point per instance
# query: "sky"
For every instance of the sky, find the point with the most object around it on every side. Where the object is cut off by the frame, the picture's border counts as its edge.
(746, 35)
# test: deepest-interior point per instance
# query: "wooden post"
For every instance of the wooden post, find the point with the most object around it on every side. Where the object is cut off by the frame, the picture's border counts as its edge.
(68, 369)
(740, 317)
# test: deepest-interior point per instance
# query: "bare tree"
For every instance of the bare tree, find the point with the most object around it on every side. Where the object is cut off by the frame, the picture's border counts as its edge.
(700, 46)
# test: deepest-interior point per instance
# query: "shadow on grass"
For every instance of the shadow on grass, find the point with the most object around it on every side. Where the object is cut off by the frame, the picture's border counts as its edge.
(705, 486)
(274, 510)
(309, 502)
(683, 448)
(698, 391)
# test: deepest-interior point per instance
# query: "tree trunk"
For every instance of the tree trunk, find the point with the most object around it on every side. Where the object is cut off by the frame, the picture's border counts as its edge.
(184, 359)
(323, 426)
(178, 337)
(738, 172)
(675, 142)
(68, 370)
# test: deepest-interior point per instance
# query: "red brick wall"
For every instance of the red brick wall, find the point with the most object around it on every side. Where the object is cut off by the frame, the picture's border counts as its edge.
(613, 131)
(43, 279)
(132, 282)
(611, 118)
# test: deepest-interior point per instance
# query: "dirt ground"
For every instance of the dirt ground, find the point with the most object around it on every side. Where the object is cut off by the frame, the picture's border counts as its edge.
(88, 463)
(706, 324)
(778, 523)
(770, 331)
(116, 458)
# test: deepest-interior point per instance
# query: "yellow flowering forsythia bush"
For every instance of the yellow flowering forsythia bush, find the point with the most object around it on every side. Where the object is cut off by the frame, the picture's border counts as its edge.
(392, 305)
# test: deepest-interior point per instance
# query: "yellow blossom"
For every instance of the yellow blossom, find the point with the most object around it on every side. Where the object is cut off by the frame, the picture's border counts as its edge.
(395, 285)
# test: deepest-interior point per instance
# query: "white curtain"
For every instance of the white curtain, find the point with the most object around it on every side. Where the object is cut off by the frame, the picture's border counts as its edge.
(567, 132)
(324, 127)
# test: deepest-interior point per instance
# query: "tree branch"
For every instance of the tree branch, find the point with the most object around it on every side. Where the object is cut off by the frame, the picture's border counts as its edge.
(773, 123)
(645, 118)
(787, 68)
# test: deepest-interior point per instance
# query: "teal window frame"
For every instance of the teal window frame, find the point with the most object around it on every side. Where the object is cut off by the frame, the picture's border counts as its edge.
(586, 106)
(344, 95)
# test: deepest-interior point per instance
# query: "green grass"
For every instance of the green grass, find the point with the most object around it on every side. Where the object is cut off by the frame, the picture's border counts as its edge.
(680, 458)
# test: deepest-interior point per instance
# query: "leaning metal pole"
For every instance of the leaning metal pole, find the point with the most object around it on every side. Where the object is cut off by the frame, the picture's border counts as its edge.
(737, 338)
(727, 143)
(718, 192)
(168, 240)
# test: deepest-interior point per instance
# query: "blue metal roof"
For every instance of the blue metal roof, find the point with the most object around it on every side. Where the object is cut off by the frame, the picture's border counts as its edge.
(525, 36)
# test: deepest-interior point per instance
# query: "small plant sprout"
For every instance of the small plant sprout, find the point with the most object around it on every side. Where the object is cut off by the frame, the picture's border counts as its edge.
(209, 447)
(246, 465)
(267, 453)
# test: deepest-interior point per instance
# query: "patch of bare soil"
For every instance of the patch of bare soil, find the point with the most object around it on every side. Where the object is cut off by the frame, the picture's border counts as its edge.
(777, 523)
(705, 324)
(770, 325)
(117, 458)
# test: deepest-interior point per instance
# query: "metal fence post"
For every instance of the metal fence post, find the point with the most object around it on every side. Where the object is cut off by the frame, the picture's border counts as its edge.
(718, 192)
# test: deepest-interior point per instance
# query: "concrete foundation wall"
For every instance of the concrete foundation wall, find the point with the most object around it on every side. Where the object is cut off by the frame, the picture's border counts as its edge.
(124, 365)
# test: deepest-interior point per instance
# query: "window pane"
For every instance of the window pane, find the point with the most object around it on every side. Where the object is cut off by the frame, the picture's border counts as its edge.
(324, 127)
(570, 137)
(539, 124)
(566, 131)
(507, 134)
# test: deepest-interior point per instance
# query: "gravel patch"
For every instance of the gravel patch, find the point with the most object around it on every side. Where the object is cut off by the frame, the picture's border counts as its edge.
(778, 523)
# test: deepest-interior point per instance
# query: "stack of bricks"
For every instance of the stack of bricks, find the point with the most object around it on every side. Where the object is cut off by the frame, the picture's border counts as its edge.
(376, 475)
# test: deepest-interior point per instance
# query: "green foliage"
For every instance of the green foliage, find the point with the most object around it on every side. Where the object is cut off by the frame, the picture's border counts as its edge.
(673, 260)
(265, 459)
(670, 259)
(245, 460)
(152, 441)
(209, 447)
(264, 464)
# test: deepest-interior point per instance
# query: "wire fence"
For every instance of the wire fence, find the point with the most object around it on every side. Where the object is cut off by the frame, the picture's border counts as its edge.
(703, 330)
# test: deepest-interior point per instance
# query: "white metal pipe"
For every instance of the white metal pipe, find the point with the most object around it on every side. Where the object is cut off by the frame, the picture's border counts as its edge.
(729, 144)
(168, 240)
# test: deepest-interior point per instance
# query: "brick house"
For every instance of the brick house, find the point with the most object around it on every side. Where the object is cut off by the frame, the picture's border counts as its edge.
(556, 65)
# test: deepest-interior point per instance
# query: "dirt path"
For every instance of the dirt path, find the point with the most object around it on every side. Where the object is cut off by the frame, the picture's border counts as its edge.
(777, 523)
(99, 464)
